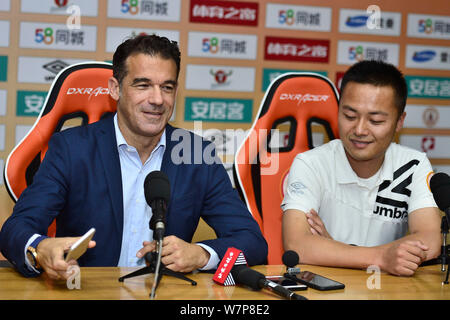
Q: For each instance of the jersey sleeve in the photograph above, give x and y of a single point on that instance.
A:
(421, 196)
(302, 191)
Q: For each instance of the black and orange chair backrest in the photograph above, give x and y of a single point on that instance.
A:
(78, 91)
(295, 101)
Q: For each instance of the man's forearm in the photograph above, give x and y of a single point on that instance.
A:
(317, 250)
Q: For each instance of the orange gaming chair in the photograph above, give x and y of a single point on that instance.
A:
(78, 91)
(295, 100)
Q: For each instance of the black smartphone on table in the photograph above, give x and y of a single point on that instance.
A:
(316, 281)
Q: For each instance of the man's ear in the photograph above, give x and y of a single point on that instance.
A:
(114, 88)
(400, 121)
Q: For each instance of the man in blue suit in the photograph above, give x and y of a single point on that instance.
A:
(93, 176)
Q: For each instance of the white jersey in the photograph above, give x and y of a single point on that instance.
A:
(364, 212)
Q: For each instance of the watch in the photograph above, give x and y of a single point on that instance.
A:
(32, 253)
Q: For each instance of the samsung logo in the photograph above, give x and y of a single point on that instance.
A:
(357, 21)
(423, 56)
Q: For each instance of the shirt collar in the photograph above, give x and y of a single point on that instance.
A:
(345, 173)
(121, 140)
(387, 169)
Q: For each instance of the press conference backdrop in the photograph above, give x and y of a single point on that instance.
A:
(231, 51)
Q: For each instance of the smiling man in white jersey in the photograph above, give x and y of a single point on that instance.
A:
(351, 202)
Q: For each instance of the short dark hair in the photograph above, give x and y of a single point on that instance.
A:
(152, 45)
(379, 74)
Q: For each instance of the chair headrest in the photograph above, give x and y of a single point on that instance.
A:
(298, 95)
(80, 90)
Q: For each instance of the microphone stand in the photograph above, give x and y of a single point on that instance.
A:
(155, 266)
(445, 259)
(157, 277)
(157, 194)
(151, 268)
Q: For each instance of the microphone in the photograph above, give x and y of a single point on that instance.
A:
(157, 195)
(290, 259)
(440, 187)
(257, 281)
(232, 260)
(233, 270)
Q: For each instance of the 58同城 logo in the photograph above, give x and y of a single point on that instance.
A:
(436, 25)
(286, 17)
(150, 7)
(225, 45)
(130, 6)
(290, 17)
(426, 26)
(48, 36)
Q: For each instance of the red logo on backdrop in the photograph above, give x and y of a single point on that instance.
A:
(61, 3)
(296, 49)
(221, 76)
(224, 12)
(339, 76)
(428, 143)
(430, 117)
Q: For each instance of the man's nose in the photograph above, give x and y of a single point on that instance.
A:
(361, 127)
(156, 96)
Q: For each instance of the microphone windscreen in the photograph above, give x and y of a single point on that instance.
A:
(440, 187)
(290, 258)
(156, 186)
(248, 277)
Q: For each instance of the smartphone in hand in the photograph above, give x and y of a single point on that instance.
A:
(79, 248)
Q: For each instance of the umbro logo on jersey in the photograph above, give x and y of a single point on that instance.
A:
(393, 192)
(391, 213)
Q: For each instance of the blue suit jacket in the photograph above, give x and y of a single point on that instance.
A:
(79, 183)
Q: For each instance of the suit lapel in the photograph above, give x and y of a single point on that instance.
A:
(169, 168)
(167, 165)
(109, 155)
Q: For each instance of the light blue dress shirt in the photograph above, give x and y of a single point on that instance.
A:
(137, 212)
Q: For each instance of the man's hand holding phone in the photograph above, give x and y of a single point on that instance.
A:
(50, 254)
